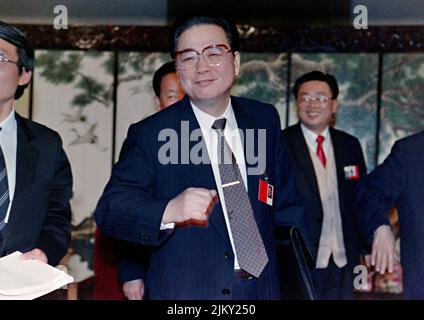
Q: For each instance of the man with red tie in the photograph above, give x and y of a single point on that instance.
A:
(323, 159)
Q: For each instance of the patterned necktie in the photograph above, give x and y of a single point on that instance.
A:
(320, 150)
(250, 249)
(4, 190)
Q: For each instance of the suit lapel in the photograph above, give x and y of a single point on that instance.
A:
(301, 154)
(201, 175)
(244, 122)
(340, 160)
(26, 161)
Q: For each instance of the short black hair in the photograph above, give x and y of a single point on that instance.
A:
(185, 23)
(165, 69)
(317, 76)
(24, 49)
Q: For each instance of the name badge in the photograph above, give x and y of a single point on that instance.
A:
(266, 192)
(351, 172)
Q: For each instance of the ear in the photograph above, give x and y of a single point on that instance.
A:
(25, 77)
(334, 105)
(236, 63)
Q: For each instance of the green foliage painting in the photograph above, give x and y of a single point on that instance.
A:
(402, 98)
(60, 67)
(263, 76)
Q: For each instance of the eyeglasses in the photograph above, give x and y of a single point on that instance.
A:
(319, 99)
(214, 56)
(4, 59)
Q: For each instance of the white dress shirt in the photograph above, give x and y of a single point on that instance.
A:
(311, 139)
(331, 241)
(8, 143)
(232, 136)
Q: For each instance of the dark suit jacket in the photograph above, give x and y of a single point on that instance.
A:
(40, 216)
(192, 262)
(399, 181)
(347, 151)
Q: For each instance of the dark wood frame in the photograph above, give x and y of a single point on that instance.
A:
(253, 38)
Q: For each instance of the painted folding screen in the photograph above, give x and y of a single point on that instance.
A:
(73, 94)
(402, 106)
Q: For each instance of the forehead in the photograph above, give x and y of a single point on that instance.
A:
(8, 49)
(200, 36)
(170, 79)
(314, 86)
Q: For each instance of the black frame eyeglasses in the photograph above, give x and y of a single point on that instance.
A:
(214, 55)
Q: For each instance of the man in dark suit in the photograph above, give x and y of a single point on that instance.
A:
(399, 182)
(117, 262)
(131, 273)
(163, 190)
(35, 178)
(327, 164)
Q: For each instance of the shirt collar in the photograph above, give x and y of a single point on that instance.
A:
(206, 120)
(8, 124)
(311, 136)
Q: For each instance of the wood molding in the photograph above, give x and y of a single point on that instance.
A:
(253, 38)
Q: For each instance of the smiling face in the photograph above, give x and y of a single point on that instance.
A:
(208, 86)
(315, 115)
(10, 78)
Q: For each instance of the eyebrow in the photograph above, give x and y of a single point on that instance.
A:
(308, 93)
(209, 45)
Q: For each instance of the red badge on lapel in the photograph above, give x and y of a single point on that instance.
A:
(351, 172)
(266, 192)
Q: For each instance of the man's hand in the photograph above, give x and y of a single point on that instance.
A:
(192, 206)
(367, 260)
(36, 254)
(383, 249)
(134, 289)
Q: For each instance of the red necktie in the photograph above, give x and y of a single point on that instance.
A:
(320, 150)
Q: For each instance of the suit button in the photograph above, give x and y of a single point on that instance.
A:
(319, 220)
(227, 255)
(226, 292)
(316, 244)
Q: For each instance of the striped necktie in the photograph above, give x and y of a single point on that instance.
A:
(4, 190)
